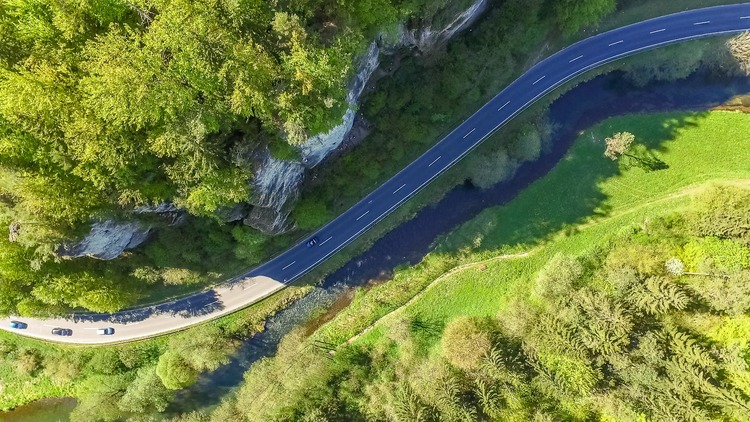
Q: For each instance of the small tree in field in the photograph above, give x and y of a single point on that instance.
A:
(618, 144)
(622, 144)
(739, 47)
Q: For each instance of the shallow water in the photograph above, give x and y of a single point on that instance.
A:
(580, 108)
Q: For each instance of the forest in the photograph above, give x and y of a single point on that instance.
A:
(106, 106)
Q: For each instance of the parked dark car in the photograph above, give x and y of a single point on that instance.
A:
(62, 331)
(312, 242)
(18, 325)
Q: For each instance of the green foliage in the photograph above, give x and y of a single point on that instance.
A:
(106, 105)
(607, 332)
(721, 254)
(465, 343)
(573, 15)
(670, 63)
(250, 243)
(174, 371)
(724, 213)
(311, 214)
(145, 393)
(587, 350)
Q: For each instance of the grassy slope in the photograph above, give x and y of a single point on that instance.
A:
(585, 190)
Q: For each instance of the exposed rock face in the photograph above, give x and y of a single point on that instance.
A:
(107, 240)
(13, 231)
(232, 214)
(276, 186)
(167, 210)
(427, 38)
(319, 146)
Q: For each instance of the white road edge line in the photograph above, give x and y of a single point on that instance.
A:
(537, 81)
(546, 91)
(434, 161)
(617, 42)
(503, 106)
(324, 242)
(657, 31)
(702, 23)
(470, 132)
(289, 265)
(366, 212)
(579, 57)
(402, 186)
(558, 83)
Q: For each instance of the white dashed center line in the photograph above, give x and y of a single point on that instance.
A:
(323, 242)
(470, 132)
(537, 81)
(402, 186)
(434, 161)
(702, 23)
(292, 263)
(579, 57)
(617, 42)
(657, 31)
(366, 212)
(503, 106)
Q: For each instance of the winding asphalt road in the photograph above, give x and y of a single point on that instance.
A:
(297, 261)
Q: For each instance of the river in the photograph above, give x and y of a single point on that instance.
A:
(578, 109)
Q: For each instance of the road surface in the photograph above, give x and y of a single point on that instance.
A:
(300, 259)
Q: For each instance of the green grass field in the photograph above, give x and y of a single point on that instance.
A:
(581, 203)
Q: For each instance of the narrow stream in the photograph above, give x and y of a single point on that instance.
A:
(580, 108)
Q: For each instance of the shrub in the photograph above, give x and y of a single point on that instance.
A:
(178, 276)
(465, 343)
(723, 212)
(27, 361)
(174, 372)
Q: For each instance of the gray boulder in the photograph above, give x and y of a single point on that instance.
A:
(107, 240)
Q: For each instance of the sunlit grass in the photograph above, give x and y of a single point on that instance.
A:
(584, 201)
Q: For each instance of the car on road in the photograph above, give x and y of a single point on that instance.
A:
(18, 325)
(62, 331)
(105, 331)
(312, 242)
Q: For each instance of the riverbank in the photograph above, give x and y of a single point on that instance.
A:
(589, 200)
(582, 187)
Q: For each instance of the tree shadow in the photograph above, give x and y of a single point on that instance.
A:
(196, 305)
(572, 193)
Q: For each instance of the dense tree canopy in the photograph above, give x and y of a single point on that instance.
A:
(115, 103)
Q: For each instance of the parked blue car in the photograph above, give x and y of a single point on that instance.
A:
(18, 325)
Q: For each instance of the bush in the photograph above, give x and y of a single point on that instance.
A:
(179, 276)
(175, 372)
(485, 170)
(723, 212)
(558, 277)
(466, 341)
(311, 213)
(27, 361)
